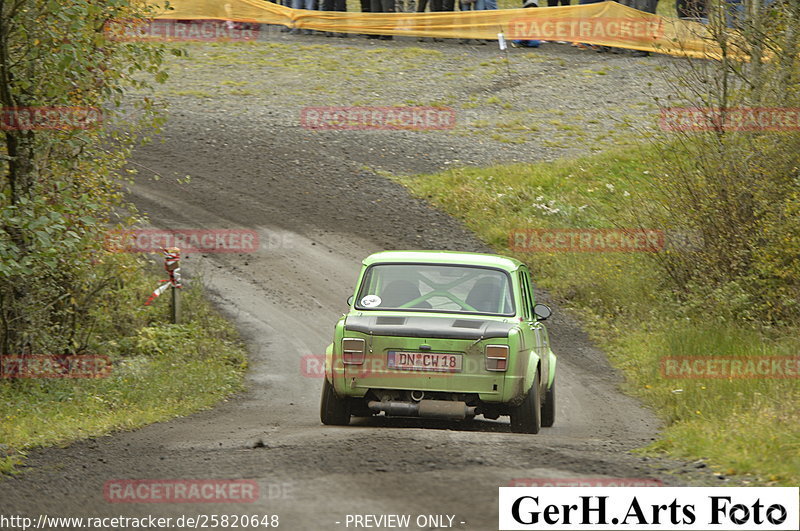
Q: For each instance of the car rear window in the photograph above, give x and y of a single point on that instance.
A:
(439, 288)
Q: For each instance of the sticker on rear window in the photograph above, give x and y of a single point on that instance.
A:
(371, 300)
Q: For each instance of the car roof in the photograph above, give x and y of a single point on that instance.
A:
(444, 257)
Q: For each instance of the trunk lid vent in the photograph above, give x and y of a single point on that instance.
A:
(465, 323)
(390, 321)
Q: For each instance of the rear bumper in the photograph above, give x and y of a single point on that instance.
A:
(493, 388)
(489, 388)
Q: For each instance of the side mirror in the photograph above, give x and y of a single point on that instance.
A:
(350, 300)
(542, 312)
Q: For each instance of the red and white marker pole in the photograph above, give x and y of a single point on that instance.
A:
(172, 265)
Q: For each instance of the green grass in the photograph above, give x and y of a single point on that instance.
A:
(159, 371)
(742, 426)
(585, 192)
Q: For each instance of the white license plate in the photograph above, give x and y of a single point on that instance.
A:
(424, 361)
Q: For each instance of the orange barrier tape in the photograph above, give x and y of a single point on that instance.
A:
(606, 24)
(172, 261)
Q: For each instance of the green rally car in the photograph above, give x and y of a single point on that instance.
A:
(442, 334)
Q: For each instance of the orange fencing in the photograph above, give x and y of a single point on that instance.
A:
(606, 24)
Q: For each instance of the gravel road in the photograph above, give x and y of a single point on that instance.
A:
(321, 202)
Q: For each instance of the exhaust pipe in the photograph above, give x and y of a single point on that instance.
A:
(395, 409)
(445, 409)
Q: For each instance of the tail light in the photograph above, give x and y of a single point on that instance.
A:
(353, 351)
(496, 357)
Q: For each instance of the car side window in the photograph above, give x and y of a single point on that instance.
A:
(526, 303)
(529, 284)
(528, 292)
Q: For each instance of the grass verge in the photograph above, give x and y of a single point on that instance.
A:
(742, 426)
(160, 371)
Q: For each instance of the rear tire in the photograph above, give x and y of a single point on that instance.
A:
(527, 417)
(333, 410)
(549, 406)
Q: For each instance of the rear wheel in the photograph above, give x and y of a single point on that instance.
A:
(527, 417)
(333, 410)
(549, 406)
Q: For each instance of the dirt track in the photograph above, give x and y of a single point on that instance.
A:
(311, 196)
